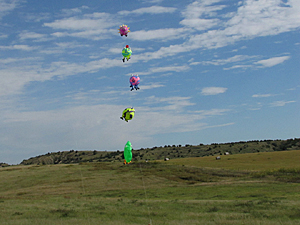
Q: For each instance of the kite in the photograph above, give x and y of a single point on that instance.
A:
(126, 52)
(127, 153)
(128, 114)
(124, 30)
(134, 82)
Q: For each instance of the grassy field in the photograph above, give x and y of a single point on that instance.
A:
(249, 161)
(256, 188)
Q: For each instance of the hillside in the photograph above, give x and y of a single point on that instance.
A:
(167, 151)
(253, 188)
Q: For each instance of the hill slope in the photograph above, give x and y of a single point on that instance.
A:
(167, 151)
(180, 191)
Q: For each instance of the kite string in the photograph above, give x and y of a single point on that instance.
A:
(121, 5)
(76, 146)
(146, 197)
(82, 181)
(83, 190)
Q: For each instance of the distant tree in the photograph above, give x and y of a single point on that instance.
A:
(4, 164)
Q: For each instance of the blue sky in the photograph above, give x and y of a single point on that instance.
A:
(211, 71)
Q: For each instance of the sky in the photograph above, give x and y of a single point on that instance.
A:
(212, 71)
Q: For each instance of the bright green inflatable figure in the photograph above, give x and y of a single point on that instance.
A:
(128, 114)
(127, 153)
(126, 52)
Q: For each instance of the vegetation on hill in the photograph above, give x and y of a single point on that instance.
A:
(3, 164)
(167, 151)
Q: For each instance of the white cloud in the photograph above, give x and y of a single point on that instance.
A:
(89, 22)
(96, 34)
(152, 1)
(213, 112)
(92, 26)
(151, 86)
(200, 24)
(236, 58)
(37, 17)
(169, 103)
(31, 35)
(15, 77)
(72, 11)
(151, 10)
(163, 34)
(18, 60)
(164, 69)
(280, 103)
(18, 47)
(3, 35)
(262, 95)
(294, 88)
(262, 18)
(238, 67)
(272, 61)
(169, 68)
(213, 90)
(164, 52)
(74, 44)
(252, 19)
(8, 5)
(196, 10)
(200, 8)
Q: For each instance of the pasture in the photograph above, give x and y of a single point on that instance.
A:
(256, 188)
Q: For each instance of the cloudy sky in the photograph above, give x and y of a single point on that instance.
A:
(212, 71)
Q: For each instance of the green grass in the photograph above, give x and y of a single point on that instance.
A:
(257, 188)
(248, 161)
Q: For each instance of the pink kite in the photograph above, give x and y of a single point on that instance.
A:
(124, 30)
